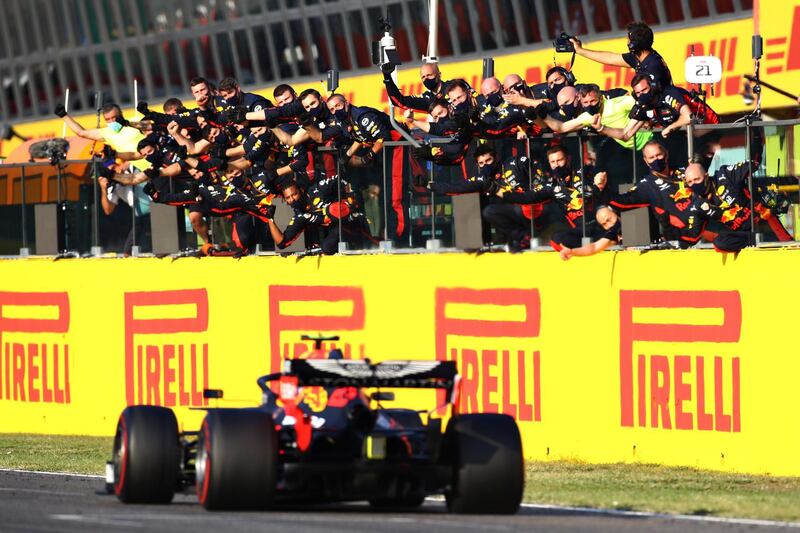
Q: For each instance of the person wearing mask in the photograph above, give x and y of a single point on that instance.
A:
(640, 56)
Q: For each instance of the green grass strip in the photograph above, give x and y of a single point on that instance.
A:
(634, 487)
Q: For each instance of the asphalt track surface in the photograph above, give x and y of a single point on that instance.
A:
(61, 503)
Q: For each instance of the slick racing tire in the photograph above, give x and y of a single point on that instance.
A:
(485, 451)
(146, 455)
(237, 455)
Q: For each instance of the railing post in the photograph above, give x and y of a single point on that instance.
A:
(25, 250)
(433, 243)
(385, 244)
(96, 249)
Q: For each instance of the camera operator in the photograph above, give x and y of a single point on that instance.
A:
(641, 56)
(112, 193)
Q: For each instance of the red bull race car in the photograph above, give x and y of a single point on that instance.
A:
(318, 436)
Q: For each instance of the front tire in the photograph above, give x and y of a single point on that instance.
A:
(146, 455)
(237, 455)
(488, 467)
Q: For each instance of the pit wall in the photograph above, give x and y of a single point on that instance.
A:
(680, 358)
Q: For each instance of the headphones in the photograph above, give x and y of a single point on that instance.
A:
(570, 77)
(655, 86)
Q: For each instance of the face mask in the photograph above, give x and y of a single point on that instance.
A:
(699, 188)
(463, 107)
(494, 99)
(152, 158)
(569, 110)
(658, 165)
(555, 89)
(431, 84)
(116, 127)
(230, 102)
(592, 109)
(645, 98)
(341, 115)
(562, 172)
(317, 112)
(490, 169)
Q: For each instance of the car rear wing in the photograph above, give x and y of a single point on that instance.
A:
(362, 373)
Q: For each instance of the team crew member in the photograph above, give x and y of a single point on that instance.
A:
(609, 116)
(369, 129)
(670, 108)
(231, 95)
(725, 198)
(510, 175)
(118, 134)
(431, 79)
(259, 152)
(664, 192)
(569, 192)
(641, 56)
(611, 223)
(324, 206)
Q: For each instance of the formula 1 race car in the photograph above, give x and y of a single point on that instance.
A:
(322, 438)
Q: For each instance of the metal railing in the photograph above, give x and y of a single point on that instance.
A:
(430, 218)
(48, 46)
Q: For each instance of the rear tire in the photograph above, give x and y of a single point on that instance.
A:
(237, 455)
(488, 468)
(146, 455)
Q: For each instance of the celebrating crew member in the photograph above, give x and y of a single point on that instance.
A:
(725, 198)
(610, 221)
(641, 56)
(574, 197)
(664, 192)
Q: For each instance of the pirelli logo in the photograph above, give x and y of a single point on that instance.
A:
(668, 378)
(492, 335)
(35, 357)
(163, 366)
(295, 310)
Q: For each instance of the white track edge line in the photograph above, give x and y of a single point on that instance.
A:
(69, 474)
(645, 514)
(682, 517)
(582, 510)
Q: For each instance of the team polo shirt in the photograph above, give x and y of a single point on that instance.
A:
(615, 115)
(126, 140)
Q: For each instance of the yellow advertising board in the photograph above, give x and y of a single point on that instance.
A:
(671, 357)
(729, 41)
